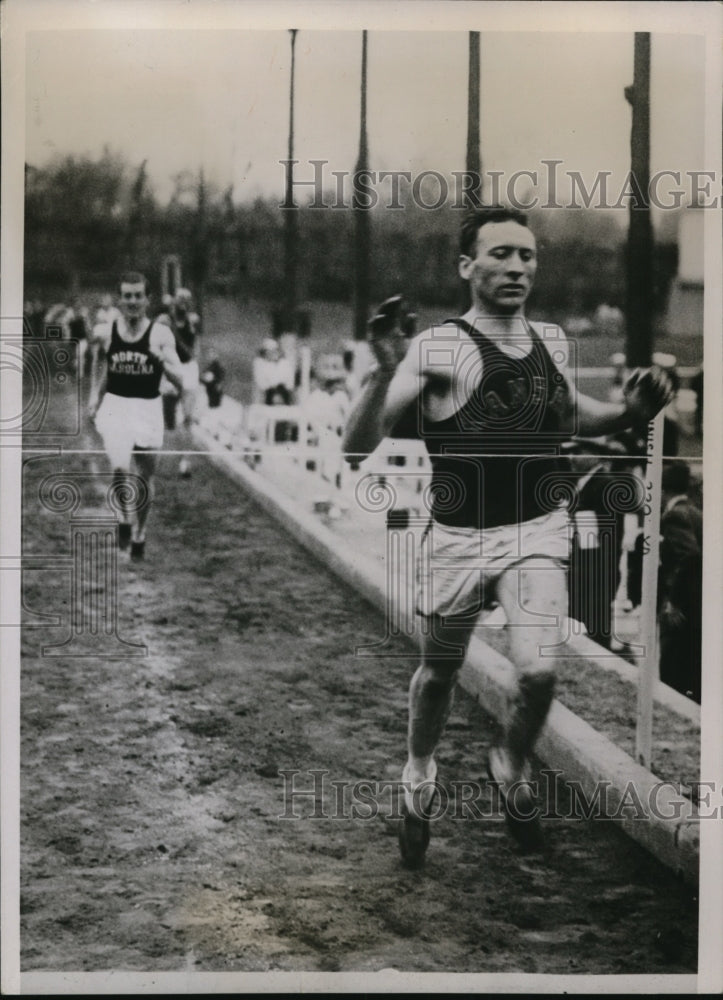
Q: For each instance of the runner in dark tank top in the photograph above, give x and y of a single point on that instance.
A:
(517, 411)
(493, 405)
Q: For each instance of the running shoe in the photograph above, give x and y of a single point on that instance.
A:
(414, 828)
(124, 536)
(138, 551)
(519, 802)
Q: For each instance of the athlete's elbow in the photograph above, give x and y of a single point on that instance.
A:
(356, 447)
(355, 459)
(353, 451)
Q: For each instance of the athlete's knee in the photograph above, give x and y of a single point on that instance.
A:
(442, 667)
(437, 676)
(444, 645)
(537, 582)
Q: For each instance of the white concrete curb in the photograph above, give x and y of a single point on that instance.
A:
(669, 830)
(665, 695)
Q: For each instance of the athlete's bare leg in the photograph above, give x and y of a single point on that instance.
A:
(124, 491)
(533, 595)
(431, 691)
(146, 462)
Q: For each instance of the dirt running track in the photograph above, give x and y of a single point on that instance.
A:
(151, 798)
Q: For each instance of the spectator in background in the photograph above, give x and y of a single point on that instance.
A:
(185, 323)
(165, 308)
(289, 367)
(633, 444)
(598, 533)
(325, 410)
(270, 370)
(696, 384)
(79, 330)
(609, 320)
(336, 387)
(327, 405)
(212, 380)
(357, 359)
(59, 315)
(277, 395)
(38, 317)
(34, 313)
(107, 312)
(615, 393)
(284, 430)
(635, 571)
(286, 370)
(680, 583)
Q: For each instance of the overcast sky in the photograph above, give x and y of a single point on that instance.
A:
(219, 99)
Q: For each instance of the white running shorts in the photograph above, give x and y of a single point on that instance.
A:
(457, 568)
(126, 423)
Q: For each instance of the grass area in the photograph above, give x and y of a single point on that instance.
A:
(235, 331)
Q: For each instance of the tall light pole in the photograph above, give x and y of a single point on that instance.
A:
(361, 215)
(474, 160)
(291, 215)
(638, 349)
(200, 252)
(639, 261)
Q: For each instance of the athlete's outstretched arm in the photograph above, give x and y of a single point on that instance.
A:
(645, 394)
(98, 344)
(388, 391)
(97, 392)
(163, 346)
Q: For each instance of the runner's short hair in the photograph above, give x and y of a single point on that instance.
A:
(478, 217)
(133, 278)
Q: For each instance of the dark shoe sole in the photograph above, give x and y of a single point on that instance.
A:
(138, 551)
(414, 835)
(521, 815)
(124, 537)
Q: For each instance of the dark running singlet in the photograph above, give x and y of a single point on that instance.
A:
(132, 370)
(486, 469)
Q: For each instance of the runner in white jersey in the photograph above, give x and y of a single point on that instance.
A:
(133, 354)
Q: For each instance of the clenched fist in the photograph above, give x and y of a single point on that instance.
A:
(646, 393)
(389, 332)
